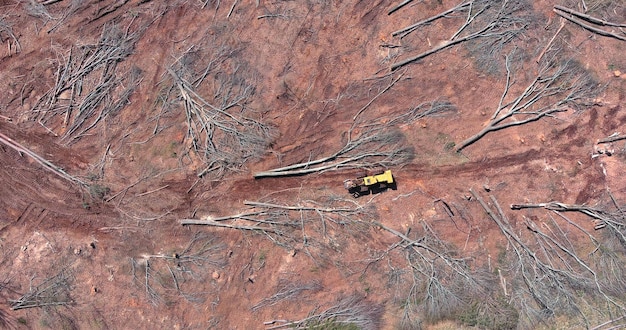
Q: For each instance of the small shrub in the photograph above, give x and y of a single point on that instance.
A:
(98, 191)
(497, 315)
(332, 325)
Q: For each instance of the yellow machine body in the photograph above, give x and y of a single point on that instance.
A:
(385, 177)
(370, 184)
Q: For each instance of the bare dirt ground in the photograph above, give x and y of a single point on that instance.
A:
(122, 119)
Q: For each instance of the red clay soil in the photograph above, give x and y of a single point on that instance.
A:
(114, 246)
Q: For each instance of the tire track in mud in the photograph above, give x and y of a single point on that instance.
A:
(478, 166)
(470, 171)
(412, 170)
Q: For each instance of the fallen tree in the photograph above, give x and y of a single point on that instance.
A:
(369, 144)
(590, 23)
(87, 86)
(222, 128)
(547, 269)
(499, 21)
(53, 291)
(437, 284)
(46, 164)
(350, 311)
(164, 276)
(288, 290)
(557, 87)
(371, 148)
(312, 225)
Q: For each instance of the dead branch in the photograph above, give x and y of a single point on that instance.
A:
(123, 192)
(610, 322)
(426, 109)
(615, 222)
(38, 10)
(549, 44)
(151, 293)
(202, 250)
(535, 274)
(145, 217)
(377, 95)
(287, 290)
(371, 143)
(283, 15)
(152, 191)
(5, 321)
(101, 95)
(554, 245)
(73, 7)
(271, 214)
(6, 28)
(206, 2)
(145, 176)
(232, 8)
(440, 47)
(559, 245)
(577, 226)
(298, 207)
(355, 154)
(442, 284)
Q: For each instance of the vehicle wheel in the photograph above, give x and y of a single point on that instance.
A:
(356, 194)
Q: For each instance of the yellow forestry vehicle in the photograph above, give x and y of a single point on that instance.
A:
(374, 183)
